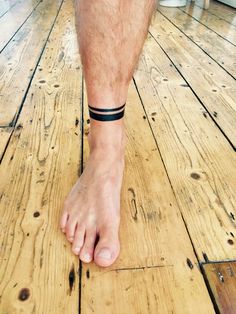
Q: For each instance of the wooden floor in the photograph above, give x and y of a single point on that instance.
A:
(178, 224)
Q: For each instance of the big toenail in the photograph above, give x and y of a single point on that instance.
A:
(104, 253)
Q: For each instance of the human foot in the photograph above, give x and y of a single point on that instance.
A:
(92, 208)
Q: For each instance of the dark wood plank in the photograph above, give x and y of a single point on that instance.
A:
(221, 278)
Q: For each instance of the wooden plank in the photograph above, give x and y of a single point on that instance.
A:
(221, 278)
(38, 270)
(222, 11)
(216, 24)
(14, 18)
(5, 6)
(20, 57)
(5, 134)
(154, 270)
(214, 87)
(200, 163)
(214, 45)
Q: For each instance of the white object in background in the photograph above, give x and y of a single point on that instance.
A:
(232, 3)
(173, 3)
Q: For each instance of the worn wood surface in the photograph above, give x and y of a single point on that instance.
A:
(156, 252)
(213, 22)
(39, 273)
(5, 134)
(220, 50)
(222, 11)
(213, 86)
(13, 19)
(202, 169)
(19, 59)
(221, 278)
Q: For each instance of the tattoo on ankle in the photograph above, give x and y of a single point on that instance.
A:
(102, 114)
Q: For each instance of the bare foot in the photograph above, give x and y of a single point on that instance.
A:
(91, 211)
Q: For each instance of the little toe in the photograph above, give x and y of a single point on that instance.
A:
(70, 228)
(78, 239)
(107, 249)
(86, 254)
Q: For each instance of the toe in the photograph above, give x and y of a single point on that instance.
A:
(108, 247)
(70, 228)
(63, 221)
(78, 239)
(86, 254)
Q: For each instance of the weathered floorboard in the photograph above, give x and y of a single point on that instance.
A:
(199, 161)
(14, 18)
(5, 134)
(222, 11)
(19, 59)
(215, 88)
(218, 25)
(38, 271)
(221, 278)
(215, 46)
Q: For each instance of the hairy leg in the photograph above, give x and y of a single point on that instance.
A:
(111, 35)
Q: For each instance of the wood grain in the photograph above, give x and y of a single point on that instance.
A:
(19, 59)
(213, 86)
(200, 163)
(39, 273)
(221, 278)
(5, 134)
(214, 45)
(156, 253)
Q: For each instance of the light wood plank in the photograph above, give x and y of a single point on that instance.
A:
(20, 57)
(5, 134)
(221, 27)
(200, 163)
(222, 11)
(38, 170)
(5, 6)
(14, 18)
(153, 237)
(222, 281)
(215, 88)
(214, 45)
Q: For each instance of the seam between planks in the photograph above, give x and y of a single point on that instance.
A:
(205, 107)
(209, 12)
(208, 27)
(196, 43)
(40, 1)
(16, 117)
(195, 253)
(8, 9)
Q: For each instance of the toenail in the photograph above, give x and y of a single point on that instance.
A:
(76, 250)
(87, 258)
(104, 253)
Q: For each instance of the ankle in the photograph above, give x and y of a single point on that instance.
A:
(107, 137)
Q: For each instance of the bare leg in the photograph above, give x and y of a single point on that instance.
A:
(111, 35)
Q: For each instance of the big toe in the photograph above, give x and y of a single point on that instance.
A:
(107, 249)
